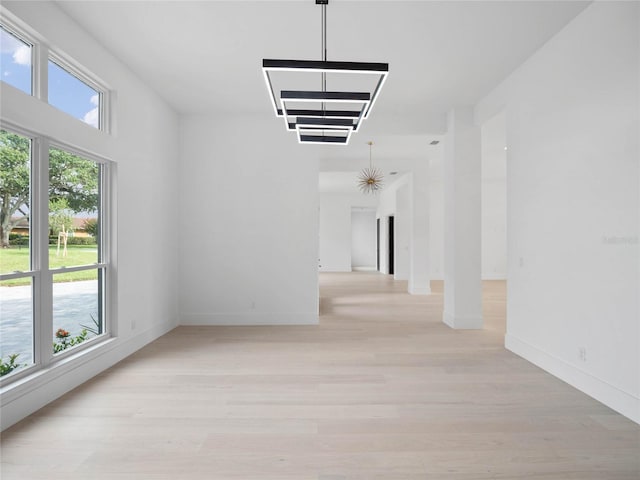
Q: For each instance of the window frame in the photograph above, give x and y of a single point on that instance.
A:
(19, 33)
(43, 135)
(41, 54)
(33, 272)
(40, 271)
(103, 246)
(72, 68)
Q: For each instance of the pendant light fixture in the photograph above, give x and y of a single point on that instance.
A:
(370, 179)
(324, 116)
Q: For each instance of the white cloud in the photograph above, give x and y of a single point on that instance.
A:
(95, 100)
(92, 117)
(22, 55)
(8, 43)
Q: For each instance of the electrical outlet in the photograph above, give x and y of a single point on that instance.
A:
(582, 354)
(521, 262)
(133, 324)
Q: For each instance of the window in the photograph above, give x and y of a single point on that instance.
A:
(64, 84)
(15, 61)
(74, 96)
(54, 266)
(16, 272)
(75, 248)
(54, 211)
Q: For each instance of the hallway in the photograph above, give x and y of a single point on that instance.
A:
(380, 389)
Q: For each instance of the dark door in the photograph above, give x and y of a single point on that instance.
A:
(391, 238)
(378, 244)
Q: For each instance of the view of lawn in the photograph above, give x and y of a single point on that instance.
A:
(17, 259)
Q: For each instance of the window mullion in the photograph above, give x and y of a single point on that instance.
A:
(41, 72)
(43, 292)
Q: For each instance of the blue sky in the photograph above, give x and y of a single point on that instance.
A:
(66, 92)
(71, 95)
(15, 62)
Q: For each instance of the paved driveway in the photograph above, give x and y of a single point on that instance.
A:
(74, 303)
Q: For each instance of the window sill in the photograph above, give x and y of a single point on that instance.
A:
(57, 369)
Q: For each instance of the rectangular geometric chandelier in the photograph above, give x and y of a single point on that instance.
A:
(322, 116)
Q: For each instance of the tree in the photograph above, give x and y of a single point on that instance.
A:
(72, 178)
(14, 182)
(75, 179)
(60, 216)
(91, 227)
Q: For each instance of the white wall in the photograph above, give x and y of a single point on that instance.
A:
(402, 229)
(494, 213)
(494, 198)
(249, 221)
(436, 220)
(363, 238)
(335, 228)
(335, 234)
(145, 150)
(572, 116)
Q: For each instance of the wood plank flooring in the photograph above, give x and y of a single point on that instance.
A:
(381, 389)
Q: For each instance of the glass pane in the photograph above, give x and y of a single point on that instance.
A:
(15, 61)
(16, 325)
(15, 163)
(71, 95)
(77, 308)
(74, 210)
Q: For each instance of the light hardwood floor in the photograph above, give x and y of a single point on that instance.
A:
(381, 389)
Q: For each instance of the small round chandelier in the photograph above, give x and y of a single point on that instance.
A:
(370, 179)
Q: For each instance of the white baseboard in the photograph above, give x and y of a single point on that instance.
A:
(494, 276)
(462, 322)
(423, 290)
(363, 269)
(32, 393)
(335, 268)
(614, 398)
(248, 319)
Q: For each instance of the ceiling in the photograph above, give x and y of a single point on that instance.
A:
(206, 56)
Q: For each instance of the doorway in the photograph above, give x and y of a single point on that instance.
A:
(378, 244)
(363, 237)
(390, 243)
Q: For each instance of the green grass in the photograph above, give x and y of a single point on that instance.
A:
(17, 259)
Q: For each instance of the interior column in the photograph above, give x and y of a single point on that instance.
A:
(419, 269)
(462, 252)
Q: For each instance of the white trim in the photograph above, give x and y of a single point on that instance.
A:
(462, 322)
(363, 269)
(42, 53)
(10, 26)
(248, 319)
(494, 276)
(31, 393)
(17, 274)
(42, 282)
(79, 268)
(619, 400)
(75, 69)
(77, 151)
(423, 290)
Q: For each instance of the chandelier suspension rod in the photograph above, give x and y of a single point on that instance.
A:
(324, 48)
